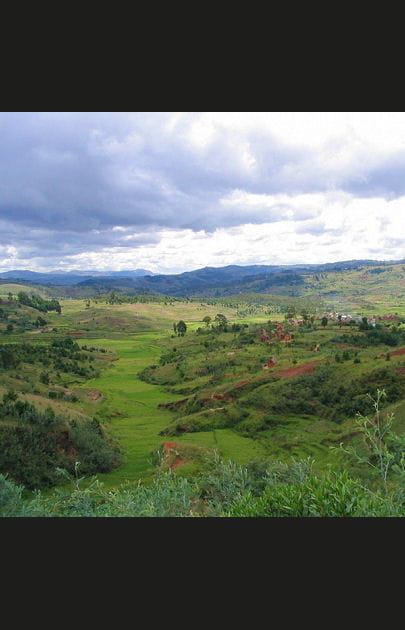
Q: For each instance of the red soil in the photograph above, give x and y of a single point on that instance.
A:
(178, 461)
(169, 445)
(242, 383)
(221, 396)
(395, 352)
(307, 368)
(94, 394)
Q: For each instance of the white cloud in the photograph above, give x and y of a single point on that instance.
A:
(176, 191)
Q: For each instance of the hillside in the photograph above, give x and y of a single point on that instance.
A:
(232, 406)
(67, 278)
(256, 377)
(356, 282)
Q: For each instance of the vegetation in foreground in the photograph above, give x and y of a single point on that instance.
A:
(263, 488)
(265, 397)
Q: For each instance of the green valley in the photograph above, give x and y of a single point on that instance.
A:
(111, 385)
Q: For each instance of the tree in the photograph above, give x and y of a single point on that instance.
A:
(364, 324)
(23, 298)
(270, 326)
(324, 321)
(207, 320)
(290, 312)
(304, 314)
(44, 378)
(221, 321)
(181, 328)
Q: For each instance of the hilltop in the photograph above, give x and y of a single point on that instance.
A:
(358, 284)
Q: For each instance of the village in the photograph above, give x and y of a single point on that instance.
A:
(282, 335)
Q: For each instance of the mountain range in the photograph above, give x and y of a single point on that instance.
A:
(68, 278)
(208, 281)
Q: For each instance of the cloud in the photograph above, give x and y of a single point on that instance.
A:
(136, 186)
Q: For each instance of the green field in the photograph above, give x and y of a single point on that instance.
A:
(131, 407)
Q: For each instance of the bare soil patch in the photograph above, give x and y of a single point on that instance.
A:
(396, 352)
(170, 451)
(306, 368)
(94, 394)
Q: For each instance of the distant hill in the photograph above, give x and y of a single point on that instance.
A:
(224, 281)
(68, 278)
(357, 277)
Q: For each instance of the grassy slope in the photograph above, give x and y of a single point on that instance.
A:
(7, 288)
(130, 408)
(131, 411)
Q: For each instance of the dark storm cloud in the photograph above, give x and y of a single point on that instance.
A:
(66, 179)
(53, 243)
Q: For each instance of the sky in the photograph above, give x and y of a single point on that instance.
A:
(172, 192)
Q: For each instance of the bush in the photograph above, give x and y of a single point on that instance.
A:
(96, 452)
(34, 443)
(337, 495)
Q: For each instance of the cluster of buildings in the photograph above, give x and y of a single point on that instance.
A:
(279, 334)
(285, 336)
(336, 315)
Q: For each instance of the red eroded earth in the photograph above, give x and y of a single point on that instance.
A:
(306, 368)
(395, 352)
(168, 447)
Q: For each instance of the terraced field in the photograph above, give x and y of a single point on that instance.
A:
(132, 415)
(221, 386)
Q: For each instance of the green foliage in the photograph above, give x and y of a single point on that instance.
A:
(336, 495)
(384, 449)
(322, 394)
(181, 328)
(63, 355)
(220, 322)
(96, 451)
(222, 488)
(35, 301)
(34, 443)
(44, 378)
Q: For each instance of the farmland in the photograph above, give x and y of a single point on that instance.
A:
(252, 379)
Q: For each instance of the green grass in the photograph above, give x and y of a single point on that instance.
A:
(5, 289)
(129, 409)
(131, 414)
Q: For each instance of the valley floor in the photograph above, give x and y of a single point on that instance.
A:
(131, 414)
